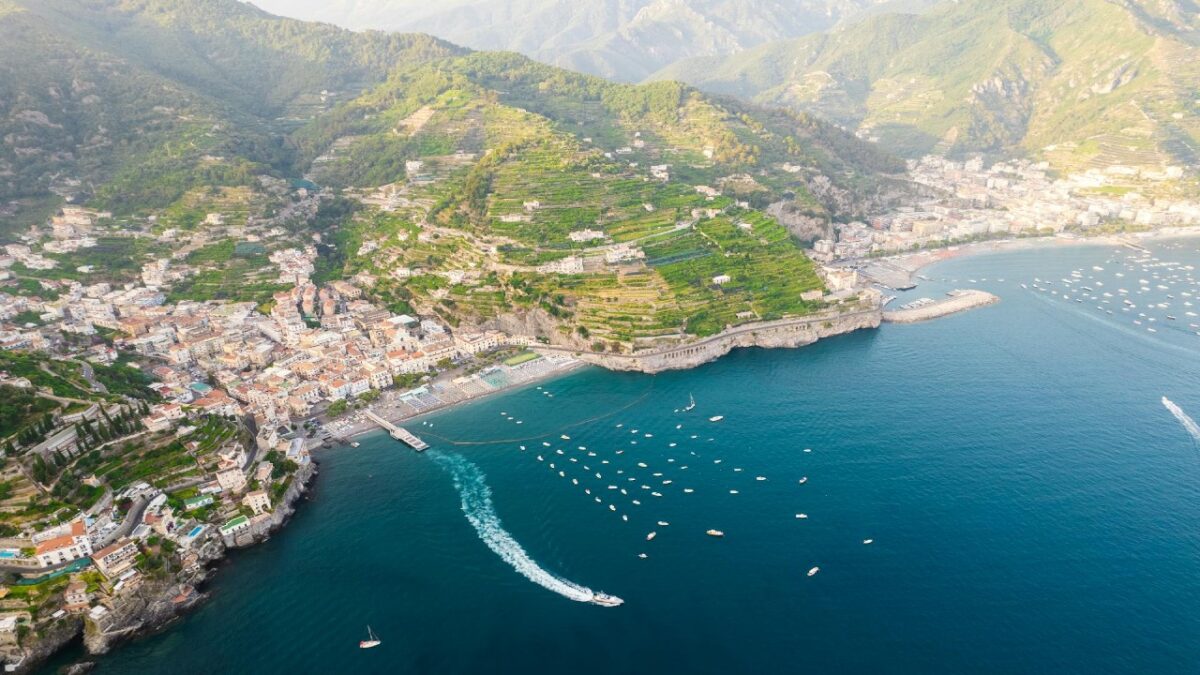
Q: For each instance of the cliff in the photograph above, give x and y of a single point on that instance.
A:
(795, 332)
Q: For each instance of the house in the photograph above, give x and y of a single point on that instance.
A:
(76, 598)
(113, 560)
(263, 473)
(197, 502)
(235, 526)
(232, 480)
(258, 501)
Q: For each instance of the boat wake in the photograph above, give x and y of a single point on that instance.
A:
(477, 505)
(1188, 423)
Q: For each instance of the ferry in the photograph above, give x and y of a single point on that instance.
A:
(813, 571)
(716, 418)
(715, 533)
(371, 641)
(606, 600)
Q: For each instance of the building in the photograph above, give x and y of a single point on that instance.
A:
(258, 501)
(76, 598)
(234, 526)
(65, 543)
(232, 480)
(113, 560)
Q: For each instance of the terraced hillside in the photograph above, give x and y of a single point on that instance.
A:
(502, 190)
(483, 187)
(1083, 83)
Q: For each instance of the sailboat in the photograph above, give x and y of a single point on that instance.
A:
(371, 641)
(691, 404)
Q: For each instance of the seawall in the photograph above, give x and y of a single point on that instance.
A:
(795, 332)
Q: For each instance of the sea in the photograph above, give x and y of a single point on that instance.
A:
(1031, 505)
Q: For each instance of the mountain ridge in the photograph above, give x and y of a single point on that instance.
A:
(1082, 83)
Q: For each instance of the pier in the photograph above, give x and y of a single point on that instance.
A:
(399, 433)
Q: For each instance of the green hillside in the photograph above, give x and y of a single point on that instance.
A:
(494, 161)
(135, 102)
(483, 187)
(1083, 83)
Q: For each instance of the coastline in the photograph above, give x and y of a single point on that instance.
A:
(362, 427)
(913, 263)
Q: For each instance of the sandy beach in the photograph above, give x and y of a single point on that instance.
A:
(446, 392)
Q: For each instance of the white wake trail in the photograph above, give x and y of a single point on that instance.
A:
(477, 505)
(1187, 422)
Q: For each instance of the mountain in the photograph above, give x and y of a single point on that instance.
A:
(621, 39)
(482, 187)
(136, 102)
(1082, 83)
(139, 100)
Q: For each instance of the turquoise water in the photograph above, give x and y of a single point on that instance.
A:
(1033, 508)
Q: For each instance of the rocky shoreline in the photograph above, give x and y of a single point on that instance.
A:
(783, 333)
(158, 602)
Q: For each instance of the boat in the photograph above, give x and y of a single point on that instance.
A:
(355, 444)
(715, 533)
(716, 418)
(606, 600)
(691, 404)
(371, 641)
(868, 541)
(651, 536)
(643, 556)
(804, 480)
(813, 571)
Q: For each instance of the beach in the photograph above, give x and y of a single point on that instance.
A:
(446, 392)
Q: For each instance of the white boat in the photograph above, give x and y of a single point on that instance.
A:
(354, 444)
(606, 600)
(651, 536)
(716, 418)
(663, 523)
(371, 641)
(814, 571)
(803, 480)
(715, 533)
(868, 541)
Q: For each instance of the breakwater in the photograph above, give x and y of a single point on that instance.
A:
(957, 301)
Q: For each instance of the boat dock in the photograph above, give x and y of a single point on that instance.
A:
(399, 433)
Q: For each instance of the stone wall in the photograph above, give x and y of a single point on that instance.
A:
(770, 334)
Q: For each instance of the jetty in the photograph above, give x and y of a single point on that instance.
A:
(925, 309)
(399, 433)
